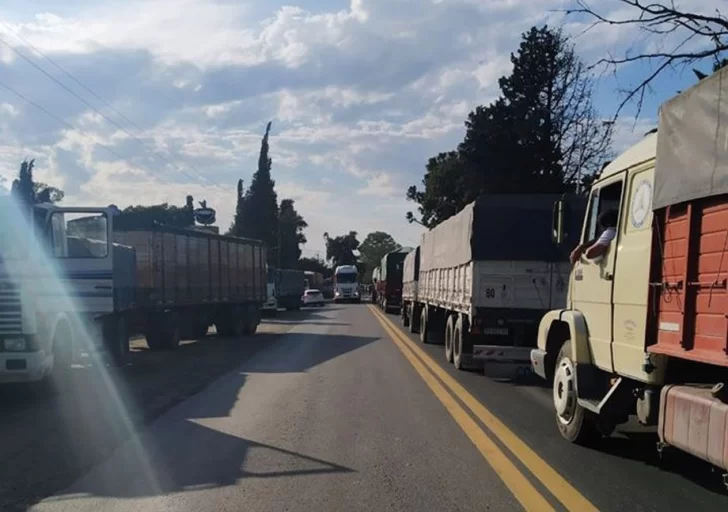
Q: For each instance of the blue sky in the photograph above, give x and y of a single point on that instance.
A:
(361, 93)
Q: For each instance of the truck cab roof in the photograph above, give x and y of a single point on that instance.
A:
(644, 150)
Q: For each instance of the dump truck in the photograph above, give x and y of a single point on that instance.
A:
(644, 332)
(289, 287)
(486, 277)
(410, 282)
(389, 284)
(72, 289)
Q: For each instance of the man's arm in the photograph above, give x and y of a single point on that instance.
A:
(579, 250)
(599, 247)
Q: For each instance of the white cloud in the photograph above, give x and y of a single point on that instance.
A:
(360, 95)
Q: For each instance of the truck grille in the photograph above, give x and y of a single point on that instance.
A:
(11, 317)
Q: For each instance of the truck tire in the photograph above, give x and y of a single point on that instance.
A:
(449, 334)
(58, 379)
(252, 319)
(116, 339)
(172, 333)
(424, 334)
(414, 320)
(576, 424)
(460, 343)
(163, 332)
(403, 314)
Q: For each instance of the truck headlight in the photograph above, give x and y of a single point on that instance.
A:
(355, 294)
(15, 344)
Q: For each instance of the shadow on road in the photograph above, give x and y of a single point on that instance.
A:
(47, 441)
(158, 463)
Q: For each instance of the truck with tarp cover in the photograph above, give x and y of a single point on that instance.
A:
(410, 282)
(486, 277)
(389, 282)
(645, 330)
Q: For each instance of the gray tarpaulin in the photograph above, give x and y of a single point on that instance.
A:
(692, 144)
(501, 227)
(411, 271)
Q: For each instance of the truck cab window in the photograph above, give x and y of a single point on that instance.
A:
(79, 235)
(602, 199)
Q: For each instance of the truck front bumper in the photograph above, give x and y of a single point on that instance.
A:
(24, 366)
(538, 362)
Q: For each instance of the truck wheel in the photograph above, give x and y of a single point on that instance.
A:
(576, 424)
(171, 331)
(59, 377)
(449, 335)
(424, 335)
(153, 335)
(117, 341)
(405, 317)
(413, 320)
(460, 343)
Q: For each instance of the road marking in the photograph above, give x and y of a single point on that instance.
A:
(523, 490)
(567, 494)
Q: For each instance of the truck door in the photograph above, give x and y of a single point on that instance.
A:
(593, 282)
(80, 243)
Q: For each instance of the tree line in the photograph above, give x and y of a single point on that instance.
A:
(258, 215)
(543, 133)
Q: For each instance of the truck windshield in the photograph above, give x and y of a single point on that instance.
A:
(346, 278)
(16, 240)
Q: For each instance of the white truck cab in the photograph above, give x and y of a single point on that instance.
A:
(346, 284)
(56, 269)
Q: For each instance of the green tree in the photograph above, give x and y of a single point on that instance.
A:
(340, 250)
(291, 237)
(29, 192)
(314, 265)
(542, 135)
(447, 189)
(374, 246)
(236, 226)
(258, 214)
(146, 217)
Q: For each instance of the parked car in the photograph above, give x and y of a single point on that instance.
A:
(312, 298)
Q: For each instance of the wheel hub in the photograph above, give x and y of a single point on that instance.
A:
(564, 390)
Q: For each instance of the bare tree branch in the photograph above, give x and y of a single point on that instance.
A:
(659, 19)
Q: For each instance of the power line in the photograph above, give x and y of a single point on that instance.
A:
(73, 128)
(88, 104)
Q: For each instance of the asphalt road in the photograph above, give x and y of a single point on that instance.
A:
(343, 412)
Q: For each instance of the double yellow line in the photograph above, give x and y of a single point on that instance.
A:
(446, 389)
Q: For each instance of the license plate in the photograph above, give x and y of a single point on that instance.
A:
(498, 331)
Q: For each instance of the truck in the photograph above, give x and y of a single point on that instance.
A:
(270, 306)
(313, 280)
(486, 277)
(346, 284)
(389, 284)
(376, 275)
(74, 290)
(410, 282)
(644, 330)
(289, 287)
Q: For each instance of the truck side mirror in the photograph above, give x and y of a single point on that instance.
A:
(558, 229)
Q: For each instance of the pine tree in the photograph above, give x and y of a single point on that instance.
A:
(257, 217)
